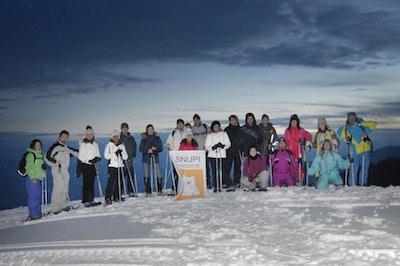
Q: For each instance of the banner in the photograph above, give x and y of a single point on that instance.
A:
(191, 169)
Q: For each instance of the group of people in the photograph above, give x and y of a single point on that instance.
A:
(253, 153)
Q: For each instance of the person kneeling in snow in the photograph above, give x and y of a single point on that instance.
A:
(328, 163)
(254, 170)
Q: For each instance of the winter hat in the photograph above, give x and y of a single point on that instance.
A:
(322, 120)
(89, 130)
(124, 125)
(115, 133)
(264, 116)
(282, 139)
(196, 116)
(189, 132)
(351, 114)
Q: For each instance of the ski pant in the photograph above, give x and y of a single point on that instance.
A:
(226, 179)
(326, 178)
(358, 169)
(235, 159)
(34, 191)
(129, 174)
(114, 186)
(262, 178)
(281, 179)
(89, 175)
(59, 195)
(157, 173)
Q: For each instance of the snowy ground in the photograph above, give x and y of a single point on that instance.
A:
(288, 226)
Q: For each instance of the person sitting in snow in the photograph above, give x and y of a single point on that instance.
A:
(328, 163)
(254, 171)
(283, 164)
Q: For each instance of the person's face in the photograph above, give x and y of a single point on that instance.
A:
(189, 137)
(64, 138)
(216, 128)
(150, 131)
(253, 152)
(282, 145)
(180, 126)
(265, 121)
(197, 121)
(250, 120)
(352, 119)
(37, 146)
(89, 136)
(125, 130)
(327, 146)
(293, 123)
(321, 126)
(115, 139)
(233, 121)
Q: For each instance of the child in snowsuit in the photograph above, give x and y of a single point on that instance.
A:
(328, 163)
(283, 164)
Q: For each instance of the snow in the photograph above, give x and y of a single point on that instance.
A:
(283, 226)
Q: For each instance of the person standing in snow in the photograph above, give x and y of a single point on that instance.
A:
(189, 143)
(217, 142)
(129, 164)
(295, 137)
(250, 135)
(233, 155)
(356, 132)
(254, 171)
(150, 147)
(200, 132)
(325, 132)
(174, 141)
(115, 153)
(35, 168)
(89, 156)
(58, 158)
(283, 164)
(267, 130)
(328, 163)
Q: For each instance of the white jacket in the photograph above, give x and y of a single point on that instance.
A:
(88, 151)
(109, 154)
(214, 138)
(174, 139)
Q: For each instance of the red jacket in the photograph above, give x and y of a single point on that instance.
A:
(293, 137)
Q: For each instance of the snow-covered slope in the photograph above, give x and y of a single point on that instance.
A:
(288, 226)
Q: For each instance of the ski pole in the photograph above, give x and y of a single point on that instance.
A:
(130, 179)
(96, 166)
(362, 169)
(166, 170)
(119, 180)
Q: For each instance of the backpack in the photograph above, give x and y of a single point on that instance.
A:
(22, 163)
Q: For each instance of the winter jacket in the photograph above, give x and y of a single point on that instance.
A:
(115, 160)
(266, 133)
(147, 142)
(254, 165)
(88, 150)
(293, 136)
(327, 134)
(214, 138)
(60, 152)
(130, 144)
(283, 162)
(234, 136)
(34, 164)
(328, 165)
(200, 134)
(250, 136)
(174, 139)
(356, 131)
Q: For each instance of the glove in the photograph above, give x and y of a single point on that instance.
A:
(253, 176)
(118, 152)
(308, 145)
(289, 161)
(351, 160)
(215, 147)
(43, 167)
(276, 160)
(220, 145)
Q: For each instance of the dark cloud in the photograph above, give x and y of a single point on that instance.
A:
(47, 42)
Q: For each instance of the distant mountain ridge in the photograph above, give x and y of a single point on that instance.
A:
(385, 153)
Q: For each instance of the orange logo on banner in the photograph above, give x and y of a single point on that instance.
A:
(192, 182)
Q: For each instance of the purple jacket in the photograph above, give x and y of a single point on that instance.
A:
(253, 165)
(280, 163)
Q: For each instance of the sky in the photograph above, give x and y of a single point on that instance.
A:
(68, 64)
